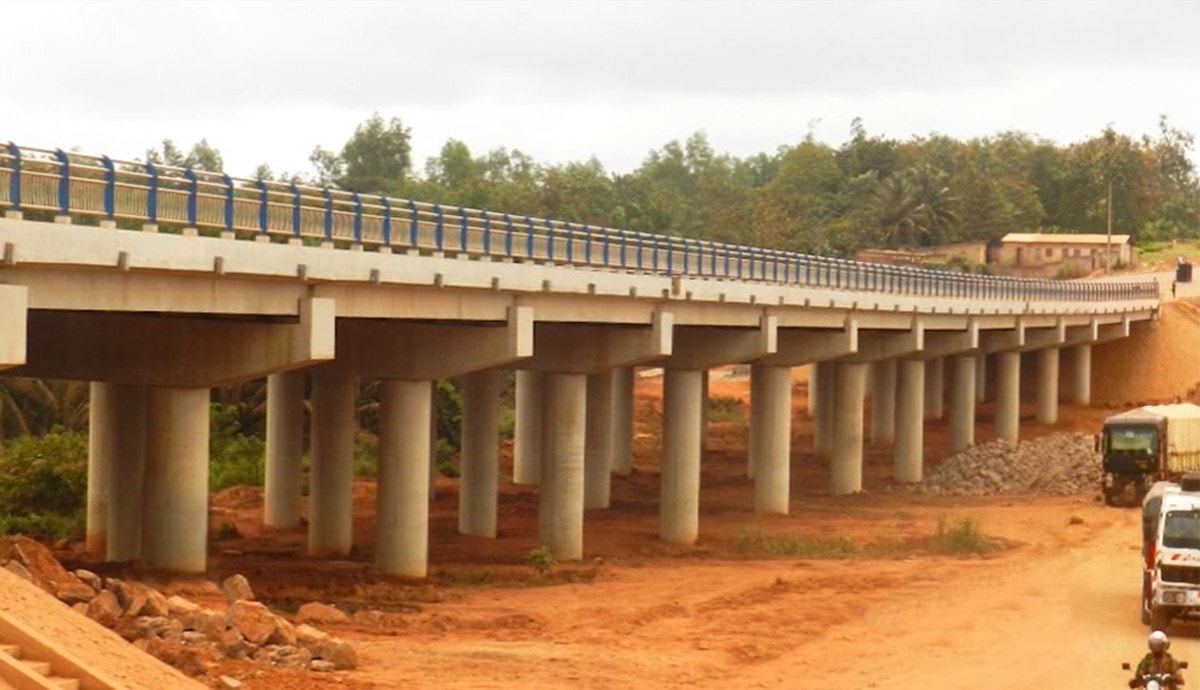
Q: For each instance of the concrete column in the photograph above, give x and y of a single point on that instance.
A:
(433, 439)
(962, 403)
(527, 429)
(757, 420)
(679, 510)
(981, 378)
(883, 401)
(116, 471)
(331, 480)
(102, 431)
(935, 386)
(704, 410)
(560, 511)
(480, 467)
(598, 443)
(175, 535)
(1008, 392)
(823, 423)
(910, 424)
(622, 421)
(772, 484)
(402, 496)
(812, 390)
(1081, 389)
(846, 469)
(285, 448)
(1047, 385)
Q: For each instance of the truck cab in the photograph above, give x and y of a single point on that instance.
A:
(1171, 546)
(1130, 446)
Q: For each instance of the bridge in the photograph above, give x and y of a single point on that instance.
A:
(157, 284)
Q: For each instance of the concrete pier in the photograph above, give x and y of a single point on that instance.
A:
(757, 421)
(527, 431)
(285, 448)
(1008, 391)
(598, 444)
(175, 531)
(480, 467)
(935, 387)
(846, 467)
(116, 470)
(981, 374)
(402, 495)
(622, 421)
(823, 422)
(773, 421)
(962, 403)
(1047, 385)
(1081, 381)
(679, 511)
(883, 401)
(330, 492)
(910, 426)
(560, 510)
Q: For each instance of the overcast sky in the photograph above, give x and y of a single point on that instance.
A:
(566, 80)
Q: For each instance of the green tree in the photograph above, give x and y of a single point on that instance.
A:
(375, 159)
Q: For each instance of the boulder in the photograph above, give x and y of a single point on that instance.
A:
(14, 566)
(237, 588)
(321, 614)
(75, 592)
(156, 604)
(253, 620)
(104, 609)
(307, 636)
(132, 595)
(90, 579)
(321, 666)
(285, 633)
(338, 651)
(234, 645)
(178, 606)
(229, 683)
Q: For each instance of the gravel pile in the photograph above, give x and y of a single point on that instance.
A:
(1057, 465)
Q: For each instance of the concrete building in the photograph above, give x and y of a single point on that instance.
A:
(1076, 252)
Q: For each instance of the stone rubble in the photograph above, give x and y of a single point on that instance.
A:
(182, 633)
(1062, 464)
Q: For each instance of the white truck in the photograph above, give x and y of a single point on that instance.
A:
(1147, 445)
(1171, 547)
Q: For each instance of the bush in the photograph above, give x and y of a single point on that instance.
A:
(234, 459)
(44, 474)
(725, 409)
(962, 537)
(541, 559)
(45, 526)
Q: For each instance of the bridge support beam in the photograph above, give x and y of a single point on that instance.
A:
(527, 429)
(883, 401)
(330, 495)
(935, 387)
(1047, 385)
(402, 498)
(846, 469)
(622, 422)
(1008, 392)
(599, 438)
(564, 423)
(1081, 381)
(285, 448)
(962, 403)
(679, 512)
(910, 426)
(176, 489)
(479, 481)
(772, 420)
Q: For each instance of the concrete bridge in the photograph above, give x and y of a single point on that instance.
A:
(158, 284)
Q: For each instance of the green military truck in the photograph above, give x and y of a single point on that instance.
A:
(1145, 445)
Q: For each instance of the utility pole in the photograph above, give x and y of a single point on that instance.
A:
(1108, 238)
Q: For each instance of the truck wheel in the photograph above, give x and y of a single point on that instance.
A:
(1160, 618)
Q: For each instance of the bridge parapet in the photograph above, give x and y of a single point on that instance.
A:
(89, 187)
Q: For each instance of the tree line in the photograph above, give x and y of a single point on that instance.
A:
(870, 192)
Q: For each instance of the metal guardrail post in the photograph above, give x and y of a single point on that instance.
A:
(570, 236)
(462, 229)
(110, 188)
(296, 232)
(487, 232)
(229, 188)
(549, 240)
(587, 245)
(328, 214)
(528, 237)
(439, 228)
(152, 195)
(263, 208)
(14, 180)
(64, 182)
(358, 212)
(193, 194)
(412, 225)
(386, 203)
(508, 236)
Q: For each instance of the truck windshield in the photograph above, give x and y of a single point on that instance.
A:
(1181, 530)
(1127, 439)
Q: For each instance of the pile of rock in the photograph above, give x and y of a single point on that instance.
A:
(182, 633)
(1059, 464)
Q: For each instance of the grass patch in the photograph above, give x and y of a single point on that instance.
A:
(754, 542)
(962, 537)
(723, 408)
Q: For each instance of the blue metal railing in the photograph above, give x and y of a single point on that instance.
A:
(75, 184)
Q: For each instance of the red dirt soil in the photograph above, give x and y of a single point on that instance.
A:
(1057, 606)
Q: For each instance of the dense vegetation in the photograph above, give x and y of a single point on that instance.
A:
(869, 192)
